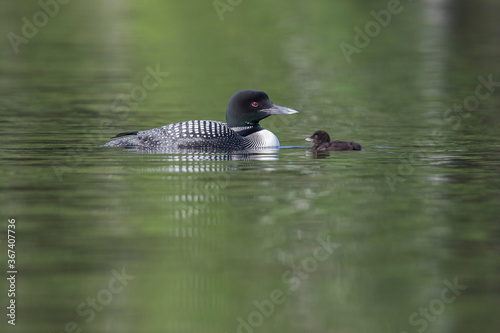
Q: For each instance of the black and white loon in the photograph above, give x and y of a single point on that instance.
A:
(241, 132)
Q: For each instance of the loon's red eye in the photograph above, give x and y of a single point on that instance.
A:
(255, 104)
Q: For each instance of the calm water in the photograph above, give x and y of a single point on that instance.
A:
(401, 237)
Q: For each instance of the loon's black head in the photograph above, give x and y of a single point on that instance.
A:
(248, 107)
(319, 137)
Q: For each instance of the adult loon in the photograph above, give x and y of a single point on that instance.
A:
(322, 142)
(241, 132)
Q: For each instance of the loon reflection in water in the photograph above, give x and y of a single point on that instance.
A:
(268, 154)
(241, 133)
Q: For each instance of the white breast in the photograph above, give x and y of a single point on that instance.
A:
(264, 138)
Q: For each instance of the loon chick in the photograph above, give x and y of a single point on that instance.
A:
(322, 142)
(241, 132)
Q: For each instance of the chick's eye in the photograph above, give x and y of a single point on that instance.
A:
(255, 104)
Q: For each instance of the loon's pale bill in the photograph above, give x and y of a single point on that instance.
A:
(278, 109)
